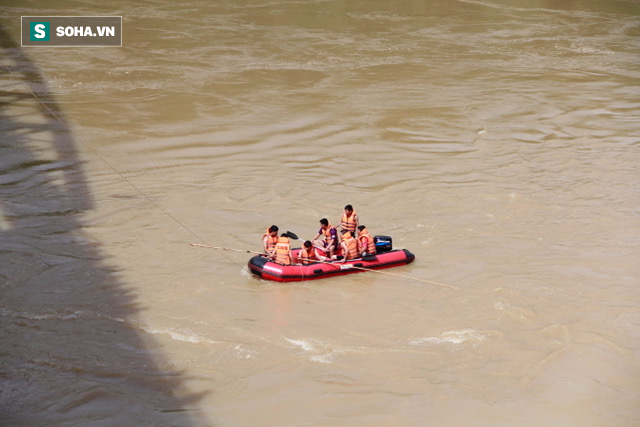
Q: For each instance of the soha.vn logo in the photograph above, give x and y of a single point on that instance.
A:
(78, 31)
(39, 32)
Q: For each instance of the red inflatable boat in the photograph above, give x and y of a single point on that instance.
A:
(385, 258)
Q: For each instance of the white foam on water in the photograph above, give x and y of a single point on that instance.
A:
(36, 316)
(326, 358)
(322, 353)
(243, 353)
(452, 337)
(304, 345)
(177, 335)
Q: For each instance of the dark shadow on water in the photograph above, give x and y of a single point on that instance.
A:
(70, 351)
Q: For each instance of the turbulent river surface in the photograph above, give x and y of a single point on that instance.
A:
(498, 140)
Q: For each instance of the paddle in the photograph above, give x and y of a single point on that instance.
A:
(293, 235)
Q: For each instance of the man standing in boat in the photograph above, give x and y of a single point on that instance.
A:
(349, 220)
(330, 243)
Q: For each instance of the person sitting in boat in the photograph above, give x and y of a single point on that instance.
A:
(366, 244)
(349, 246)
(309, 254)
(349, 220)
(269, 240)
(330, 243)
(283, 253)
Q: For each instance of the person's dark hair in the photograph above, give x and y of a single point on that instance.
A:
(284, 235)
(349, 207)
(307, 244)
(361, 227)
(273, 228)
(324, 221)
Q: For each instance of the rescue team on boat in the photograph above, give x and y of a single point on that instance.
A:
(328, 254)
(354, 242)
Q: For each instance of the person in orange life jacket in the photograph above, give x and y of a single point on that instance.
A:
(330, 242)
(283, 253)
(349, 220)
(309, 254)
(349, 246)
(366, 245)
(269, 240)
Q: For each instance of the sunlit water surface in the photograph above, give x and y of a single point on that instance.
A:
(497, 140)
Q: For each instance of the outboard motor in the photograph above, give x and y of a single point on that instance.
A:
(383, 244)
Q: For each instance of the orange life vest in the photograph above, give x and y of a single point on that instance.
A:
(328, 236)
(352, 246)
(367, 246)
(283, 247)
(349, 223)
(309, 256)
(271, 243)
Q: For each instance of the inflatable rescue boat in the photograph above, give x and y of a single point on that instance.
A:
(385, 257)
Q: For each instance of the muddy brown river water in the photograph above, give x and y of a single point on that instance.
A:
(498, 140)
